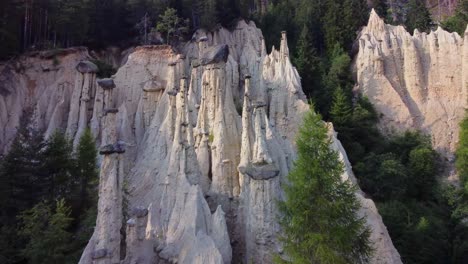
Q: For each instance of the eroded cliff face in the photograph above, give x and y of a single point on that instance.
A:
(417, 81)
(52, 84)
(194, 146)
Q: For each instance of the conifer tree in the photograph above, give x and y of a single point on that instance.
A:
(319, 214)
(341, 111)
(18, 173)
(87, 171)
(208, 14)
(418, 16)
(45, 229)
(307, 63)
(57, 167)
(462, 153)
(171, 24)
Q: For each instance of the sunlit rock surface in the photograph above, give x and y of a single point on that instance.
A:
(417, 81)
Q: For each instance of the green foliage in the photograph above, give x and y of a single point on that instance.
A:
(57, 167)
(307, 62)
(33, 172)
(383, 176)
(341, 21)
(105, 70)
(86, 170)
(462, 154)
(419, 230)
(381, 7)
(418, 16)
(319, 215)
(18, 173)
(45, 229)
(341, 111)
(458, 198)
(422, 168)
(171, 24)
(458, 22)
(404, 169)
(337, 76)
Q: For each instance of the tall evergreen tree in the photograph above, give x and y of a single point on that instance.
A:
(307, 62)
(57, 167)
(45, 229)
(19, 188)
(341, 111)
(87, 171)
(418, 16)
(172, 25)
(208, 14)
(458, 22)
(319, 215)
(462, 153)
(19, 184)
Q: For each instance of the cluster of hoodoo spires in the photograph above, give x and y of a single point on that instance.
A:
(195, 145)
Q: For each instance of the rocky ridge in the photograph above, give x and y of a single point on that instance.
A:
(415, 81)
(194, 145)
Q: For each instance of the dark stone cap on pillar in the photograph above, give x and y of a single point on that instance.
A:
(215, 54)
(87, 67)
(106, 83)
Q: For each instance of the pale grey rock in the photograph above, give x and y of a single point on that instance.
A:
(198, 138)
(415, 81)
(139, 212)
(100, 253)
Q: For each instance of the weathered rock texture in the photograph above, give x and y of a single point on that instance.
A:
(59, 86)
(194, 146)
(417, 81)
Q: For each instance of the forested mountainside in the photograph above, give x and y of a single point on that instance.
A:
(215, 125)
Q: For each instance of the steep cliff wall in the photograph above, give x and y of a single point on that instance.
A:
(417, 81)
(50, 83)
(196, 144)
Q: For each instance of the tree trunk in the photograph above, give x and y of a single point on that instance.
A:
(25, 29)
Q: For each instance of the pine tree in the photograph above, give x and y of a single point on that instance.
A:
(208, 14)
(18, 175)
(19, 184)
(87, 171)
(57, 167)
(462, 154)
(341, 110)
(46, 232)
(171, 24)
(307, 63)
(418, 16)
(380, 7)
(458, 22)
(338, 76)
(319, 214)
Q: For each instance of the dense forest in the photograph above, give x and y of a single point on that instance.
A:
(48, 196)
(48, 203)
(47, 24)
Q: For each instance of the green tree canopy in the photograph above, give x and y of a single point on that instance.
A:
(458, 22)
(171, 24)
(418, 16)
(45, 229)
(319, 214)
